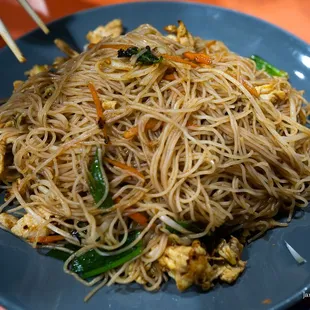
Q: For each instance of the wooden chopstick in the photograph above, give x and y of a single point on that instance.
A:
(10, 42)
(7, 37)
(34, 15)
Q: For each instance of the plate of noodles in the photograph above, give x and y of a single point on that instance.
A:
(155, 155)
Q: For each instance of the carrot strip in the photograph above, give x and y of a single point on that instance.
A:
(47, 239)
(96, 100)
(179, 59)
(99, 109)
(124, 167)
(198, 57)
(130, 133)
(139, 218)
(117, 200)
(133, 131)
(191, 123)
(210, 43)
(252, 90)
(169, 77)
(151, 124)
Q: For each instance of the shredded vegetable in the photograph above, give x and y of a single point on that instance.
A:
(99, 109)
(47, 239)
(139, 218)
(173, 224)
(132, 132)
(179, 59)
(169, 77)
(199, 57)
(91, 263)
(144, 56)
(124, 167)
(98, 182)
(299, 259)
(262, 64)
(252, 90)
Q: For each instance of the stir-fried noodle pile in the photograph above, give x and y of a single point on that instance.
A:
(142, 146)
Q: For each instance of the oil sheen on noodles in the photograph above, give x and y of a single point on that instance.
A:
(220, 144)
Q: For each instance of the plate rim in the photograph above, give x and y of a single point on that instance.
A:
(295, 298)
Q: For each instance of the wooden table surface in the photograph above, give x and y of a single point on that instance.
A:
(291, 15)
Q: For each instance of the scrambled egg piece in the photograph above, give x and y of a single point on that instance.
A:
(230, 251)
(113, 28)
(180, 34)
(37, 69)
(188, 265)
(269, 93)
(232, 266)
(7, 220)
(29, 227)
(230, 274)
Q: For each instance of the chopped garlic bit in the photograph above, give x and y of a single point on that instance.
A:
(109, 105)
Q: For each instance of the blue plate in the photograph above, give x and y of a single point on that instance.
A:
(31, 281)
